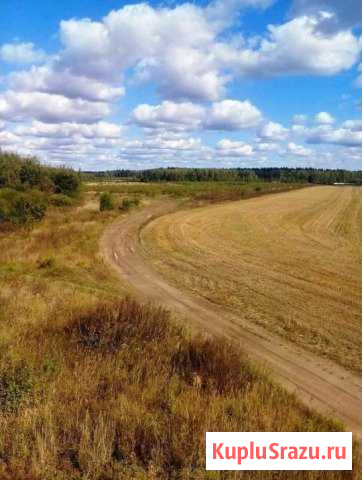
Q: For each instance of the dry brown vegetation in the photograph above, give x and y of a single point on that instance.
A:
(291, 263)
(95, 386)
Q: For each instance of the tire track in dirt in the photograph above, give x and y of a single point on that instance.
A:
(319, 383)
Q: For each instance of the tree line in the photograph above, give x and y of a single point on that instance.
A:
(283, 174)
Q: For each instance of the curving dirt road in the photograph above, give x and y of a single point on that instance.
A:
(320, 383)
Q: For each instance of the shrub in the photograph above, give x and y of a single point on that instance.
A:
(128, 203)
(21, 208)
(31, 173)
(106, 202)
(48, 262)
(60, 200)
(15, 384)
(4, 210)
(66, 182)
(222, 368)
(106, 326)
(10, 165)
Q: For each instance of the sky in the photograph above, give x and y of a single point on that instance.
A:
(223, 83)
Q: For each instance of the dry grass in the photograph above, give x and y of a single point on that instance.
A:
(207, 192)
(290, 262)
(109, 392)
(93, 387)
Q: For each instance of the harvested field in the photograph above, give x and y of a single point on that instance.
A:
(288, 262)
(137, 245)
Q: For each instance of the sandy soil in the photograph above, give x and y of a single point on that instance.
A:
(319, 382)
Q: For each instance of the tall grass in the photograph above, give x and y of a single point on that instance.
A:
(118, 391)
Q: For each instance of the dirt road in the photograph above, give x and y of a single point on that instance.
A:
(320, 383)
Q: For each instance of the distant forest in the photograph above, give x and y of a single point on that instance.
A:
(289, 175)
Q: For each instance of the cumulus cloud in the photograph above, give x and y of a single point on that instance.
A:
(48, 80)
(9, 139)
(345, 14)
(299, 47)
(233, 115)
(183, 52)
(348, 134)
(162, 149)
(184, 73)
(170, 46)
(175, 116)
(266, 147)
(224, 10)
(273, 131)
(160, 142)
(224, 115)
(21, 53)
(354, 125)
(229, 148)
(298, 150)
(339, 136)
(324, 118)
(18, 106)
(189, 54)
(70, 130)
(300, 119)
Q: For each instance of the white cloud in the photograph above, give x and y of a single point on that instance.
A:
(17, 106)
(8, 139)
(233, 115)
(181, 51)
(266, 147)
(298, 47)
(175, 116)
(160, 142)
(324, 118)
(229, 148)
(190, 54)
(349, 134)
(273, 131)
(225, 10)
(300, 119)
(339, 136)
(345, 14)
(298, 150)
(46, 79)
(224, 115)
(164, 149)
(21, 53)
(354, 125)
(71, 130)
(170, 46)
(184, 73)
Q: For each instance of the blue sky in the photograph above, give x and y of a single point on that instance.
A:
(210, 83)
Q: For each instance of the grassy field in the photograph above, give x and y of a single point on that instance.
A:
(195, 191)
(93, 386)
(290, 262)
